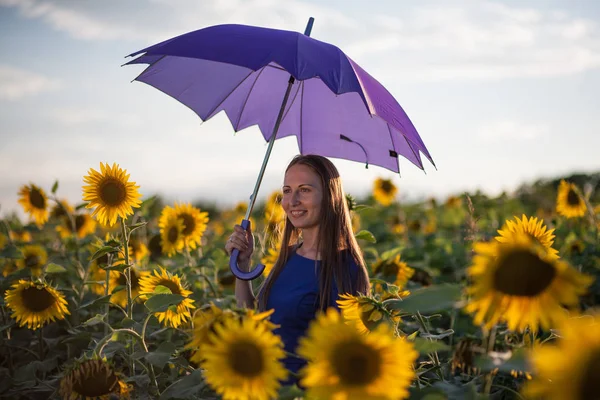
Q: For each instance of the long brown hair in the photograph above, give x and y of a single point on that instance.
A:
(335, 241)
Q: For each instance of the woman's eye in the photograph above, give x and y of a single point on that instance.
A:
(304, 190)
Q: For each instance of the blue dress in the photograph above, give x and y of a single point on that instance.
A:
(294, 297)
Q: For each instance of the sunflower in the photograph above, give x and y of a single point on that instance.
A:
(117, 279)
(364, 312)
(204, 322)
(137, 249)
(344, 364)
(97, 274)
(35, 203)
(34, 258)
(171, 318)
(384, 191)
(194, 222)
(569, 202)
(110, 193)
(520, 283)
(62, 208)
(155, 247)
(394, 269)
(84, 225)
(244, 360)
(532, 227)
(269, 260)
(273, 210)
(570, 368)
(171, 234)
(453, 202)
(20, 236)
(93, 379)
(35, 304)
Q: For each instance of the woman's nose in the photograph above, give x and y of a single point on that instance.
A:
(295, 199)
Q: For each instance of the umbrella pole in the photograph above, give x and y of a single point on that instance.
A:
(256, 272)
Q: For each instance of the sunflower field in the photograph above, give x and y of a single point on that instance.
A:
(473, 297)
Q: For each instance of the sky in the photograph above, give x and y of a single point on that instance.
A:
(501, 92)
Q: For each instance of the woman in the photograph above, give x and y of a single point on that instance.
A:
(318, 258)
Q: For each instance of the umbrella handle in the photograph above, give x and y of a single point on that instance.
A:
(233, 265)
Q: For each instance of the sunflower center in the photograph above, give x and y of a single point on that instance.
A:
(37, 199)
(391, 269)
(356, 363)
(173, 234)
(32, 260)
(173, 287)
(37, 300)
(246, 359)
(522, 273)
(189, 224)
(589, 386)
(79, 221)
(386, 186)
(113, 192)
(96, 383)
(573, 198)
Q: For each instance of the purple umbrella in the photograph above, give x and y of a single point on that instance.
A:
(287, 83)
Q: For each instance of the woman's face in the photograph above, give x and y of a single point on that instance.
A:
(302, 196)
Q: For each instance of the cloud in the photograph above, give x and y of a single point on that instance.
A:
(16, 83)
(512, 131)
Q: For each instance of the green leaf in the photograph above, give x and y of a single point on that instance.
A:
(55, 269)
(161, 355)
(390, 253)
(162, 302)
(366, 235)
(427, 300)
(439, 336)
(118, 267)
(137, 226)
(103, 251)
(55, 186)
(424, 346)
(11, 251)
(95, 320)
(185, 387)
(360, 207)
(96, 302)
(160, 289)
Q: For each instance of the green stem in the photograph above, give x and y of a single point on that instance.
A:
(128, 269)
(435, 358)
(106, 291)
(489, 377)
(151, 367)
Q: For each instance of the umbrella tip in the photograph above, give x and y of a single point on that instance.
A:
(309, 26)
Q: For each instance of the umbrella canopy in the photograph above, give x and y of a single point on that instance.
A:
(335, 108)
(287, 84)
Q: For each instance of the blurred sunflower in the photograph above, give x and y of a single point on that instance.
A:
(97, 274)
(345, 364)
(273, 210)
(110, 193)
(363, 312)
(93, 379)
(519, 283)
(244, 360)
(170, 318)
(569, 369)
(453, 202)
(34, 202)
(397, 225)
(194, 222)
(155, 246)
(393, 269)
(384, 191)
(269, 259)
(84, 225)
(34, 259)
(35, 304)
(62, 208)
(569, 202)
(20, 236)
(532, 227)
(3, 240)
(117, 279)
(204, 322)
(171, 234)
(575, 246)
(137, 249)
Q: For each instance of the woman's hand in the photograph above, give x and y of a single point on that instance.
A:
(244, 242)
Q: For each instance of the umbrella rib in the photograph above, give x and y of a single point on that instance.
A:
(246, 101)
(413, 151)
(229, 94)
(393, 147)
(291, 104)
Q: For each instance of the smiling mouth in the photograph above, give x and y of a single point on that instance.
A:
(297, 214)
